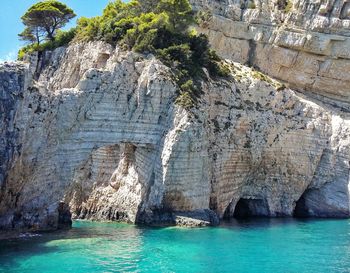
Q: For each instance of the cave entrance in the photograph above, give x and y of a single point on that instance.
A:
(64, 216)
(301, 210)
(246, 208)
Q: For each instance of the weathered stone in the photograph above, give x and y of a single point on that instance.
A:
(108, 141)
(303, 43)
(11, 93)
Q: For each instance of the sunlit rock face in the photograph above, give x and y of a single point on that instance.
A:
(304, 43)
(92, 132)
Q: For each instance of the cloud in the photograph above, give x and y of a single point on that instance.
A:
(10, 56)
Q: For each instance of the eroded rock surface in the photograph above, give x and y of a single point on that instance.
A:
(304, 43)
(11, 93)
(98, 136)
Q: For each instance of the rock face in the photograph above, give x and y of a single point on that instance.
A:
(92, 132)
(11, 92)
(304, 43)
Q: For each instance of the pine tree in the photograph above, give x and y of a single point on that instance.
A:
(43, 19)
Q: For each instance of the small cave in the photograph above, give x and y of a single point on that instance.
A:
(64, 216)
(102, 60)
(246, 208)
(301, 210)
(318, 203)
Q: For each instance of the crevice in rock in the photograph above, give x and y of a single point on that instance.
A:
(41, 62)
(251, 53)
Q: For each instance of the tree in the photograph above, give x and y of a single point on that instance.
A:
(43, 19)
(179, 12)
(148, 5)
(30, 34)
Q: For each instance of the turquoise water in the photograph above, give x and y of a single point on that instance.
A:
(248, 246)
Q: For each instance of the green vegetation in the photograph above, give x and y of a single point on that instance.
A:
(288, 6)
(262, 77)
(43, 22)
(162, 28)
(43, 19)
(285, 5)
(203, 17)
(164, 32)
(61, 38)
(251, 5)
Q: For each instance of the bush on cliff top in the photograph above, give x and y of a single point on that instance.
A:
(158, 27)
(165, 32)
(62, 38)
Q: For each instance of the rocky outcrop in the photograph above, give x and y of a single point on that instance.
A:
(303, 43)
(11, 93)
(93, 132)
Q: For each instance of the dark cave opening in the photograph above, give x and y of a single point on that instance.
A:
(301, 210)
(313, 203)
(242, 209)
(246, 208)
(64, 216)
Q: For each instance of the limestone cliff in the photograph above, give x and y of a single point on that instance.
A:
(92, 132)
(304, 43)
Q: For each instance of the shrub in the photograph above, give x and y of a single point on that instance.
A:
(165, 32)
(251, 5)
(62, 38)
(203, 18)
(288, 7)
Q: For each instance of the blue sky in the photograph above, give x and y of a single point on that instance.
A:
(10, 22)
